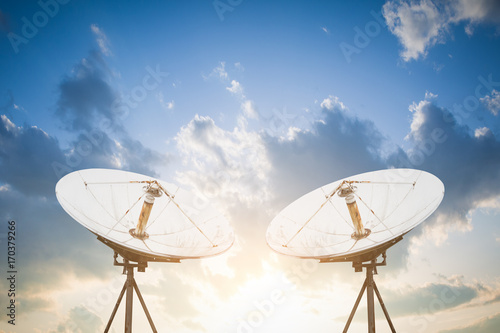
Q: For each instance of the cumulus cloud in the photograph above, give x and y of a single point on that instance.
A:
(492, 102)
(419, 25)
(338, 146)
(468, 165)
(332, 102)
(482, 131)
(228, 164)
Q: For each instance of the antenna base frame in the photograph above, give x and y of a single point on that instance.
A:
(369, 286)
(128, 288)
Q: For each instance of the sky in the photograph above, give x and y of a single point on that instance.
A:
(252, 104)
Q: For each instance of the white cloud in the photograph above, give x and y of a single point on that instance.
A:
(235, 88)
(482, 131)
(247, 106)
(227, 165)
(418, 117)
(492, 102)
(218, 72)
(332, 102)
(249, 110)
(490, 203)
(430, 95)
(419, 25)
(18, 107)
(325, 29)
(467, 164)
(9, 125)
(475, 12)
(101, 39)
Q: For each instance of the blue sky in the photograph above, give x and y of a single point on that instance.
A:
(253, 104)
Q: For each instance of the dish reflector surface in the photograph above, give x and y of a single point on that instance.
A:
(391, 203)
(109, 202)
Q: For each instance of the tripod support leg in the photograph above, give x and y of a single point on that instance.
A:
(351, 316)
(144, 307)
(393, 330)
(116, 308)
(370, 286)
(129, 299)
(369, 299)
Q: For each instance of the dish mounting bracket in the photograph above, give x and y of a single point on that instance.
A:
(369, 286)
(129, 286)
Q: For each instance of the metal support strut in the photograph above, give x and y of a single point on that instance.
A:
(129, 286)
(370, 286)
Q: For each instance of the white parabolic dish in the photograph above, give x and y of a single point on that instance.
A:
(391, 203)
(109, 202)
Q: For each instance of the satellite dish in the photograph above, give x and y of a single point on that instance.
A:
(146, 218)
(356, 219)
(143, 219)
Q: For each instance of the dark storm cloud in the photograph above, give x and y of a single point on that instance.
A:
(26, 154)
(86, 96)
(340, 146)
(88, 106)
